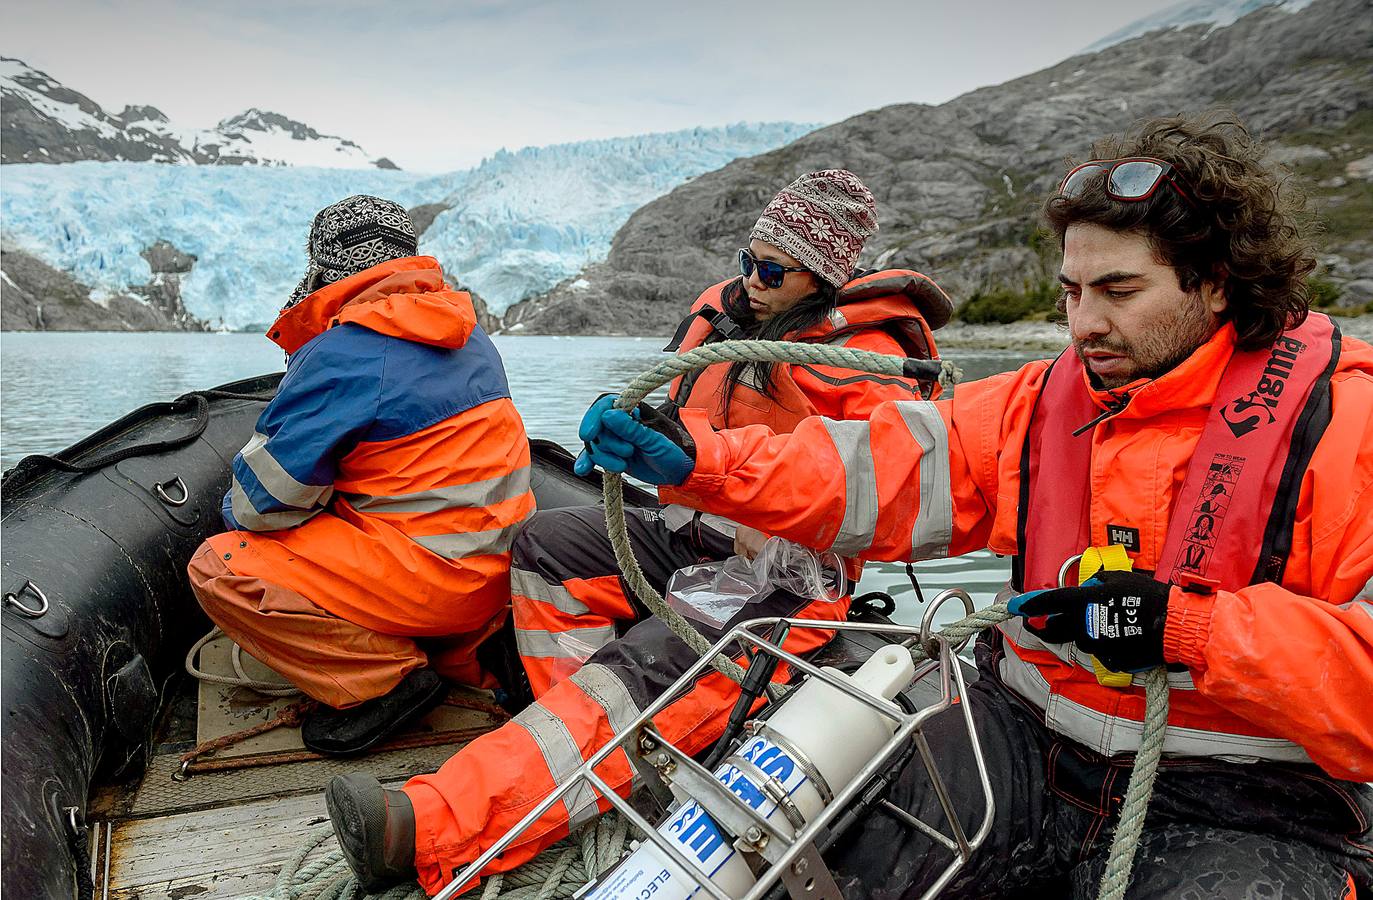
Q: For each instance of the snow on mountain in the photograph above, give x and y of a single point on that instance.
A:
(45, 121)
(516, 224)
(1216, 13)
(521, 222)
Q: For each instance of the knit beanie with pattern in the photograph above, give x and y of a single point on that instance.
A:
(821, 219)
(352, 235)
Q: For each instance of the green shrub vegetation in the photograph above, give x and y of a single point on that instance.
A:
(1003, 305)
(1325, 294)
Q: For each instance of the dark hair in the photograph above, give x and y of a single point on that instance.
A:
(1244, 230)
(809, 311)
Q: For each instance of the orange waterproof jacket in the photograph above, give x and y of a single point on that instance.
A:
(1276, 663)
(892, 311)
(389, 474)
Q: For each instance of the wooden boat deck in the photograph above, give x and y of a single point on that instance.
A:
(224, 834)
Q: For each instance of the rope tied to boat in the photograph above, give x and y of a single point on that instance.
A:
(563, 869)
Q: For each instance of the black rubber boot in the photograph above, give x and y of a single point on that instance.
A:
(375, 829)
(343, 732)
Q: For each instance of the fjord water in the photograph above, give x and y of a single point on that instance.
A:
(59, 387)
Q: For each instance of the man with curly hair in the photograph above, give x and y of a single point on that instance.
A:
(1206, 446)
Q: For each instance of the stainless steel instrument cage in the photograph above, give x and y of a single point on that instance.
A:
(775, 848)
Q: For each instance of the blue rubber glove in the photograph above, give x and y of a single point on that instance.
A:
(1118, 617)
(646, 445)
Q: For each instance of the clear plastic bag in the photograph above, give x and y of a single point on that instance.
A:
(713, 592)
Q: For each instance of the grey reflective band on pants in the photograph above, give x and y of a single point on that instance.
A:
(527, 584)
(933, 531)
(610, 693)
(562, 756)
(574, 643)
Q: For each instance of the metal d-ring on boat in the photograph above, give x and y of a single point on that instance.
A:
(160, 489)
(29, 612)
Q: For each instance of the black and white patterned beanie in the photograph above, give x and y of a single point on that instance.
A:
(822, 219)
(350, 236)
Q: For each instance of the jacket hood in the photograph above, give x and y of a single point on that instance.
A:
(405, 298)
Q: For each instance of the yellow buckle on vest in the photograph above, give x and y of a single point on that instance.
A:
(1110, 559)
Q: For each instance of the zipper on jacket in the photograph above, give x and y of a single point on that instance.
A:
(1114, 406)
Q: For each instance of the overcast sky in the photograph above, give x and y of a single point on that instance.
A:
(438, 85)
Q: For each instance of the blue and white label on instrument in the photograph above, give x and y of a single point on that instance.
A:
(649, 874)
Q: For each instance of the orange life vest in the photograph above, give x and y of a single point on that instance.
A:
(902, 303)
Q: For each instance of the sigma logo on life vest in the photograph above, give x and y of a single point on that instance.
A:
(1258, 407)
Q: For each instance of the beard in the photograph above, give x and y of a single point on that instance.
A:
(1159, 350)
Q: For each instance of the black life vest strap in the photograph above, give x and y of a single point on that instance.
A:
(720, 324)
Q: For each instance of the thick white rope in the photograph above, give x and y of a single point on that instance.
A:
(266, 688)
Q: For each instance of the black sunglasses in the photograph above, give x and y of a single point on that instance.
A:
(1132, 178)
(769, 272)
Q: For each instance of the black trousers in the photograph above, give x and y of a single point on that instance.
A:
(1214, 829)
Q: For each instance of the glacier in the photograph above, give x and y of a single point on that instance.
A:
(513, 226)
(1216, 13)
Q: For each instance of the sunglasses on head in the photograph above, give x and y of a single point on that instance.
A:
(769, 272)
(1131, 178)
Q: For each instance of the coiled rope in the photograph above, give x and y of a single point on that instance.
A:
(563, 869)
(318, 871)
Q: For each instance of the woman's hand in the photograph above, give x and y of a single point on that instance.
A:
(748, 541)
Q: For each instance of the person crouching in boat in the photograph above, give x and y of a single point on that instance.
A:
(594, 660)
(374, 507)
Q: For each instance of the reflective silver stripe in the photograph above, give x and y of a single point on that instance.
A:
(468, 543)
(277, 481)
(1110, 735)
(1365, 605)
(527, 584)
(1365, 595)
(610, 694)
(676, 518)
(933, 531)
(859, 527)
(248, 517)
(1014, 628)
(562, 756)
(476, 495)
(574, 643)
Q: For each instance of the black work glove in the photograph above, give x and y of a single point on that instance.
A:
(1118, 617)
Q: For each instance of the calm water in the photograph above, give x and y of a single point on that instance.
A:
(56, 388)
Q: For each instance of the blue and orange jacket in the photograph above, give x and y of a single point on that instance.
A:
(391, 471)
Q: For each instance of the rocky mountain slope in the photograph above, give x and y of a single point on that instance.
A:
(41, 298)
(44, 121)
(958, 184)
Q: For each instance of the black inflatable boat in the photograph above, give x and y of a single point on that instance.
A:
(97, 614)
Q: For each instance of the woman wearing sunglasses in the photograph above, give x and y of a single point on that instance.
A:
(591, 656)
(797, 282)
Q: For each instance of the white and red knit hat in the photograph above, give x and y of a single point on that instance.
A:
(821, 219)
